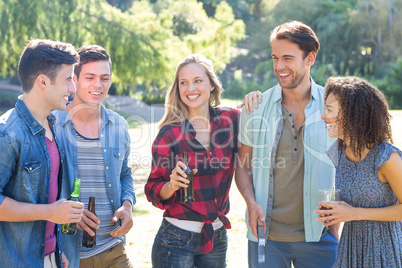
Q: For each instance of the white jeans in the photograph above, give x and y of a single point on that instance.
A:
(50, 261)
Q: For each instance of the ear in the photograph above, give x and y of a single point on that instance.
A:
(311, 58)
(212, 89)
(75, 79)
(42, 81)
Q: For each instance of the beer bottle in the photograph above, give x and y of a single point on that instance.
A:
(71, 228)
(187, 194)
(88, 240)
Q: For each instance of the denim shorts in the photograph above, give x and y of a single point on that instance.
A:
(174, 247)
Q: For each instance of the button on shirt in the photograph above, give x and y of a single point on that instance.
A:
(261, 130)
(287, 221)
(211, 182)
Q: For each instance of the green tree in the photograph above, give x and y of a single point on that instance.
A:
(21, 20)
(142, 37)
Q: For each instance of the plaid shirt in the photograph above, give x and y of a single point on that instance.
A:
(211, 182)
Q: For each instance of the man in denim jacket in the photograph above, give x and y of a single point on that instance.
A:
(30, 160)
(97, 146)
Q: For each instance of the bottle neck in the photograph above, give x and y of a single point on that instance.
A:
(91, 204)
(76, 188)
(185, 158)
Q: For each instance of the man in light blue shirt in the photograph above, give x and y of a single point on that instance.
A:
(97, 146)
(282, 161)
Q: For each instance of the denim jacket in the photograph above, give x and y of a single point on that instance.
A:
(115, 142)
(25, 177)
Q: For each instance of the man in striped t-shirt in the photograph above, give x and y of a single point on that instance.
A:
(97, 146)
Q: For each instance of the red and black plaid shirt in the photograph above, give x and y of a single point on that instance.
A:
(211, 182)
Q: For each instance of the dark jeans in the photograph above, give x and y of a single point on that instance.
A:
(177, 248)
(321, 254)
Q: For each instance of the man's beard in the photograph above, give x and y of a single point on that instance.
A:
(294, 82)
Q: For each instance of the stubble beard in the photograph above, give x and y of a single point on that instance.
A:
(294, 82)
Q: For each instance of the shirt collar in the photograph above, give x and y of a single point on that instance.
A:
(105, 117)
(214, 117)
(314, 90)
(277, 96)
(26, 115)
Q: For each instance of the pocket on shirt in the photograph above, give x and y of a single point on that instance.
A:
(119, 153)
(30, 176)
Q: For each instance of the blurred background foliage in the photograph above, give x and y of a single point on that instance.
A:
(147, 39)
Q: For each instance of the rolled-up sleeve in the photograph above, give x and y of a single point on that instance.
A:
(245, 126)
(162, 166)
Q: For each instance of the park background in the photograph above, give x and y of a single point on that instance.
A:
(146, 40)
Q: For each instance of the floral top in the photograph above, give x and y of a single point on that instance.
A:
(367, 243)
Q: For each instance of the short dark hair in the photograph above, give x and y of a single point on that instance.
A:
(91, 53)
(366, 121)
(298, 33)
(42, 56)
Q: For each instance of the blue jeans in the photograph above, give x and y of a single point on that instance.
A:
(321, 254)
(177, 248)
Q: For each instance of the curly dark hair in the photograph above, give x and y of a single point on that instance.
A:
(364, 109)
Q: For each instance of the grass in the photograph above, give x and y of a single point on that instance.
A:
(140, 212)
(131, 124)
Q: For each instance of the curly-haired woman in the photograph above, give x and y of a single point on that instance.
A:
(369, 175)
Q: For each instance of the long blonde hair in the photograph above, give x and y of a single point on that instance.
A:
(175, 109)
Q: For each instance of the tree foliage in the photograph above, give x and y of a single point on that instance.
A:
(146, 40)
(358, 37)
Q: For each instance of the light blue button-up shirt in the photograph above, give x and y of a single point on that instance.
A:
(115, 143)
(262, 130)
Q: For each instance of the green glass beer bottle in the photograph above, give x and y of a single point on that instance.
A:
(71, 228)
(89, 241)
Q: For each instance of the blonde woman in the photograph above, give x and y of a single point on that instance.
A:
(193, 234)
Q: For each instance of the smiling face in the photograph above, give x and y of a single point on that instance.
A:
(332, 117)
(93, 82)
(61, 88)
(195, 88)
(290, 66)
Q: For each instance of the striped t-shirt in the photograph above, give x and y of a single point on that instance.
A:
(93, 183)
